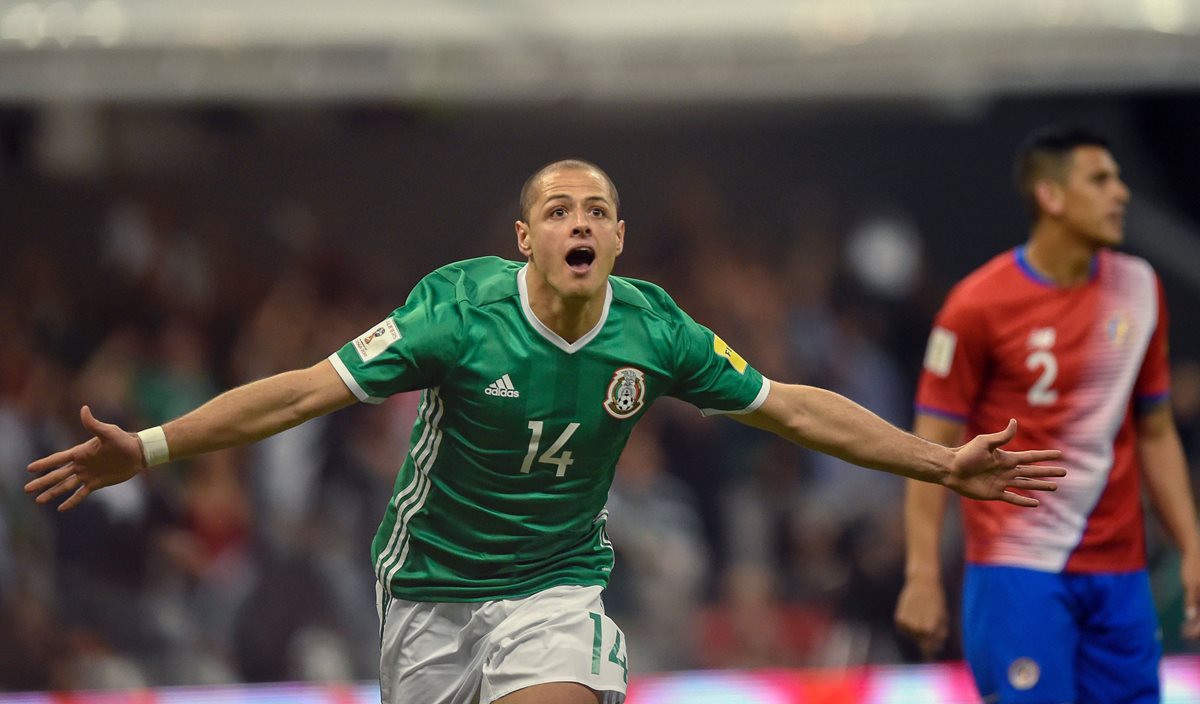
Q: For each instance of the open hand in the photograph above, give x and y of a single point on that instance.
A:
(981, 470)
(110, 457)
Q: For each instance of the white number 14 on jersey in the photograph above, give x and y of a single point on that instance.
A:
(561, 461)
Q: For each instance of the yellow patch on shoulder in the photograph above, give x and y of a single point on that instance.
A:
(727, 352)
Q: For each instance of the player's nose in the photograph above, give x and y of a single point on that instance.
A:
(1122, 194)
(581, 226)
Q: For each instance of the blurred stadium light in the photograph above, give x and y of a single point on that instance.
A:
(625, 50)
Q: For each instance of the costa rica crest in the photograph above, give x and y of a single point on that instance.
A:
(626, 393)
(1117, 328)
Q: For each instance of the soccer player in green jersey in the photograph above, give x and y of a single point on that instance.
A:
(492, 553)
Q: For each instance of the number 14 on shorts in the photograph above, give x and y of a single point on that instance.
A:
(614, 654)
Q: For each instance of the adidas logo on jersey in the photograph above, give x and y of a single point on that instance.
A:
(502, 387)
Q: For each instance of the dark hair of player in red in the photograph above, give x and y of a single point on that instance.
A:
(1046, 153)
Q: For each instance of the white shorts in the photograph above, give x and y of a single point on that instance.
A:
(464, 653)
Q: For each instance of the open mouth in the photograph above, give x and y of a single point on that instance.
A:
(580, 259)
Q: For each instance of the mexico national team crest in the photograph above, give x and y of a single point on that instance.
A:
(626, 393)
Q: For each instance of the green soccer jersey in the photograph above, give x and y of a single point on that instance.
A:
(502, 492)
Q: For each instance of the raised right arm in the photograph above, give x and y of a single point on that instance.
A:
(237, 417)
(258, 410)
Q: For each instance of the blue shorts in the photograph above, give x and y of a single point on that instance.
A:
(1039, 637)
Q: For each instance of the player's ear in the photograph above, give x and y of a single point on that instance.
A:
(620, 236)
(1050, 196)
(523, 243)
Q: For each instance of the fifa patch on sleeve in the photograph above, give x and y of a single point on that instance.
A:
(373, 342)
(727, 352)
(939, 355)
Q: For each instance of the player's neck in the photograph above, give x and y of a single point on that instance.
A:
(569, 318)
(1060, 258)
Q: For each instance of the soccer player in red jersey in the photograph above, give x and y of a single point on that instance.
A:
(1069, 337)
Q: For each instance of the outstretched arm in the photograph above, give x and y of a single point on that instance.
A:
(1165, 470)
(833, 424)
(237, 417)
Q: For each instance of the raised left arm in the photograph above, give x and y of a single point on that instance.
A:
(822, 420)
(1164, 468)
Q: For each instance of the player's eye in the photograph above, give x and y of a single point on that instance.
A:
(599, 212)
(558, 212)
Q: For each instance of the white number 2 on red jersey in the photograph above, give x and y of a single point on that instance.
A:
(1040, 394)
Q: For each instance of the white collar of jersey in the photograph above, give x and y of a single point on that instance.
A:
(554, 338)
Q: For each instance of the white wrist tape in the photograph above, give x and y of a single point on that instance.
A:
(154, 446)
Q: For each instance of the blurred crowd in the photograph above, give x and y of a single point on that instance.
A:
(734, 549)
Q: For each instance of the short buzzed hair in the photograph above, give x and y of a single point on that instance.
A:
(528, 191)
(1046, 153)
